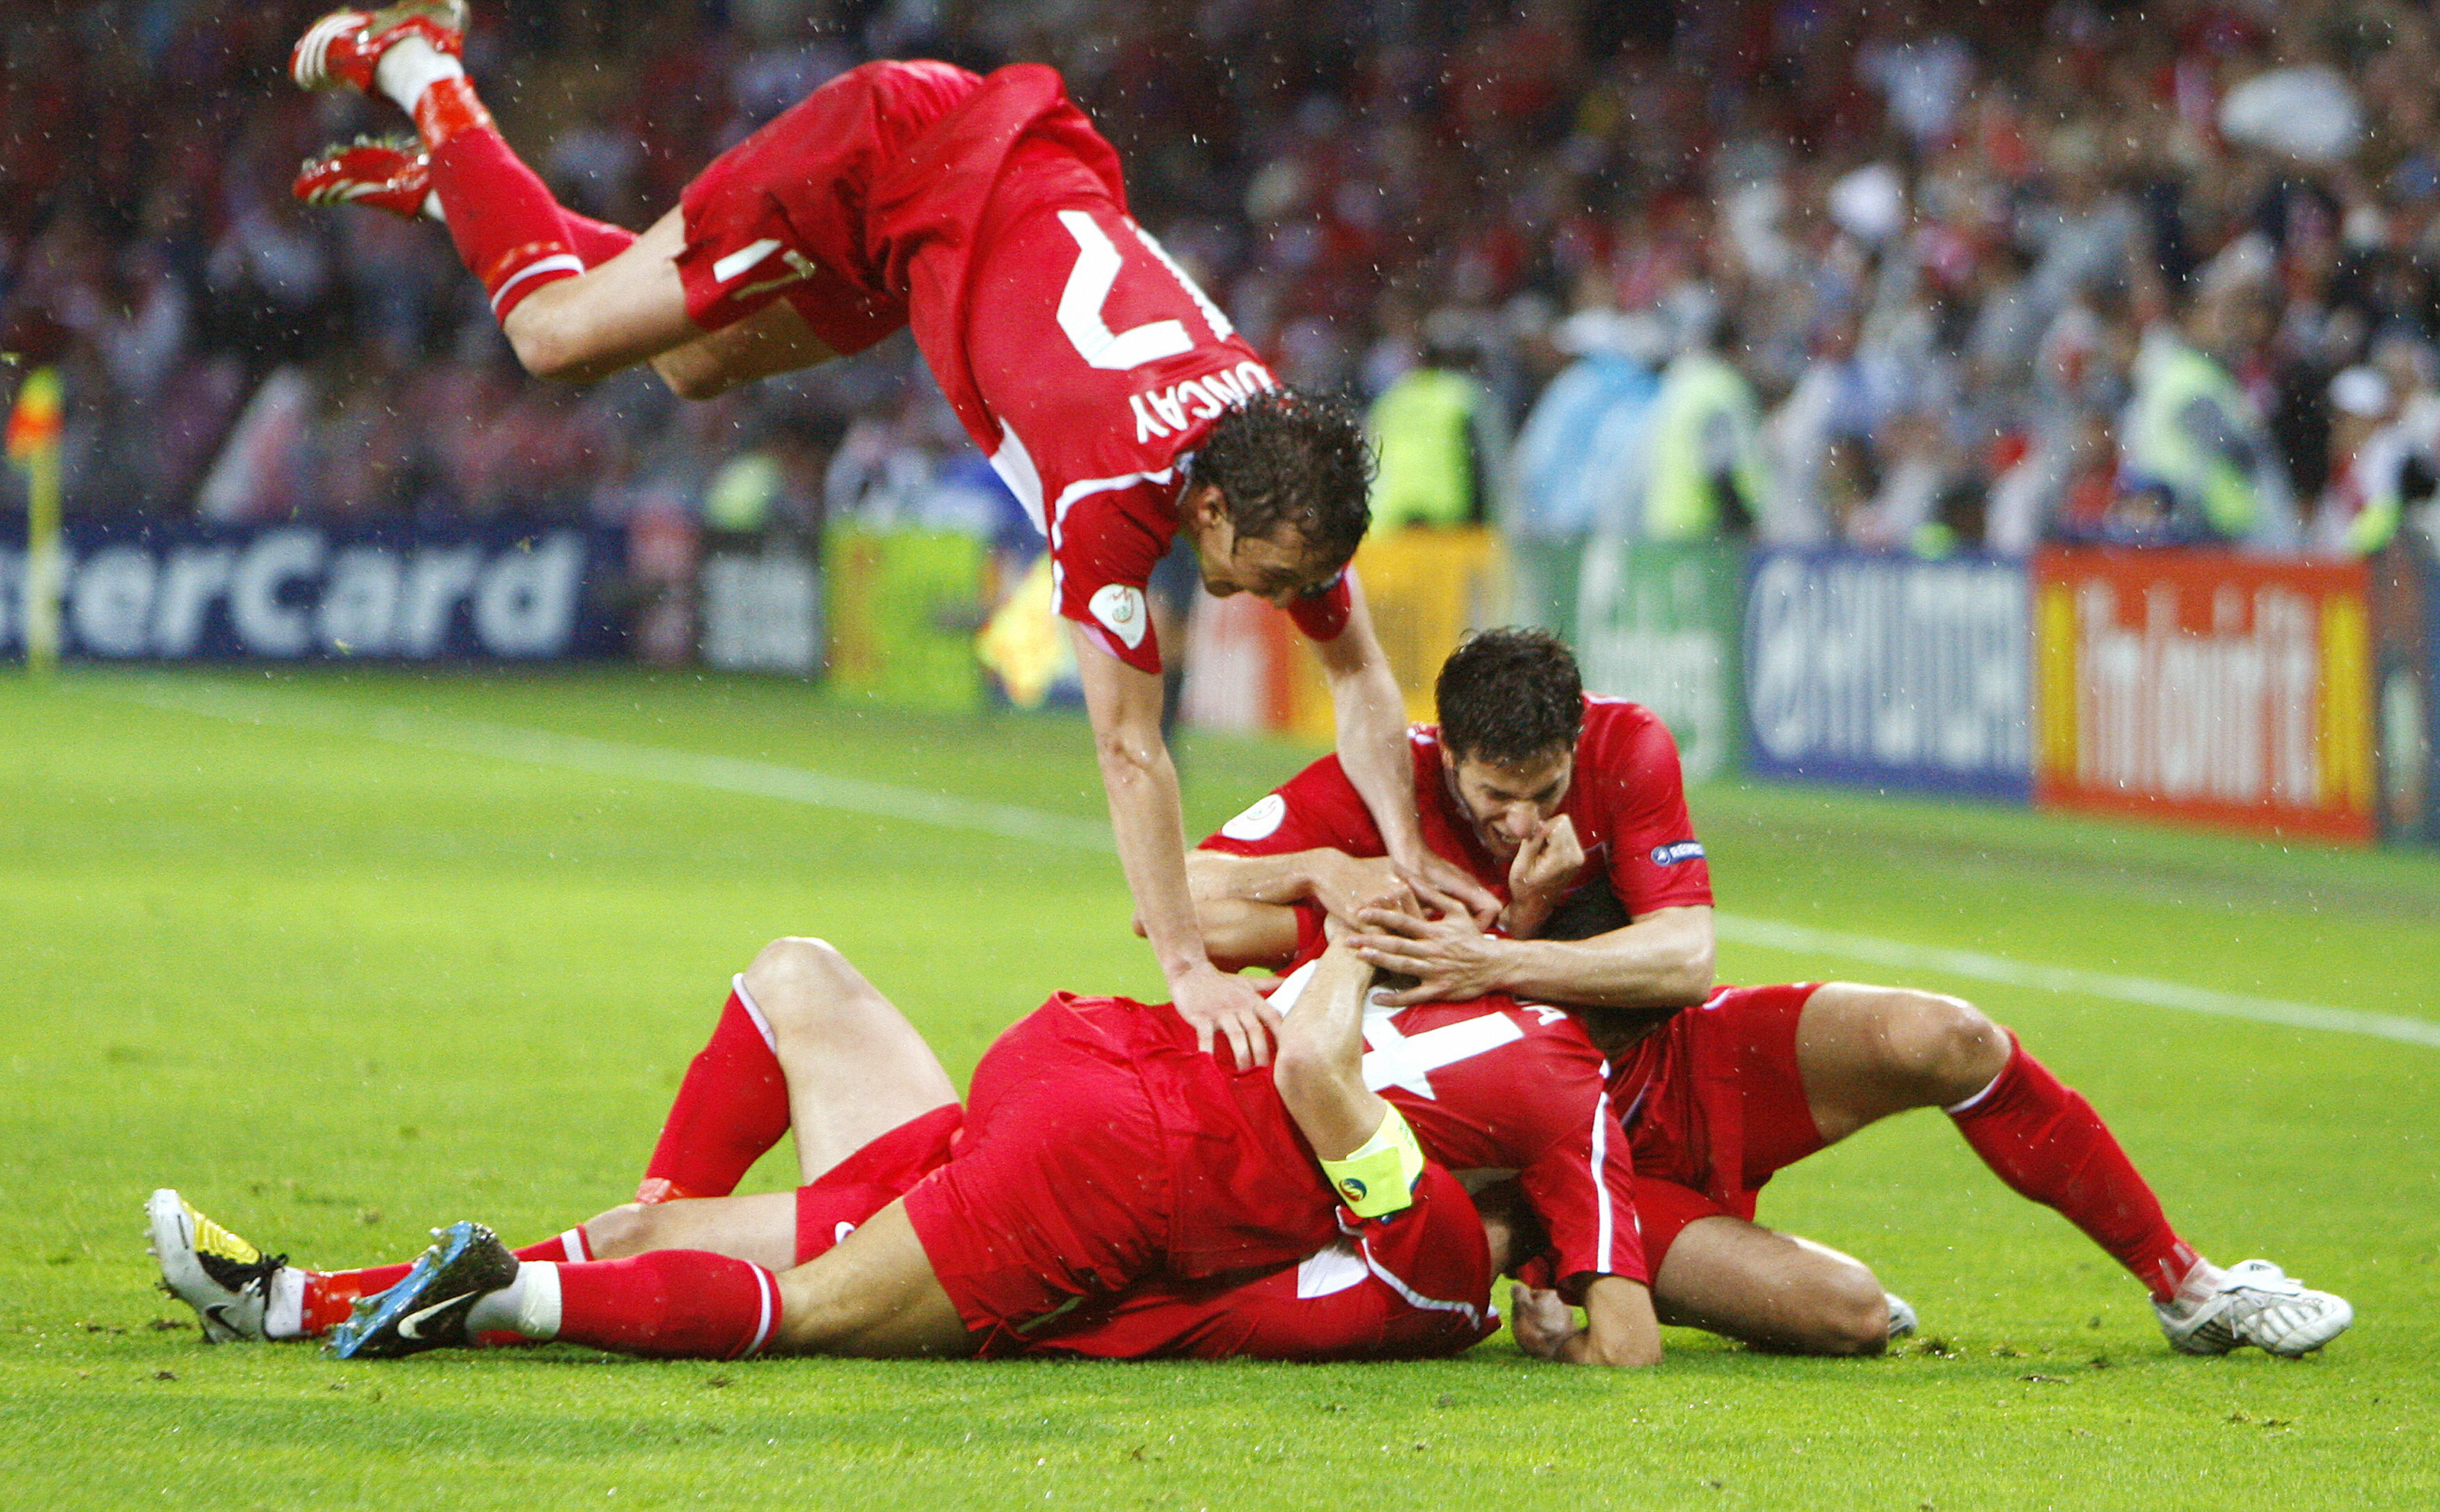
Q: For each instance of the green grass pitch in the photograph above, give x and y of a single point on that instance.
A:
(343, 957)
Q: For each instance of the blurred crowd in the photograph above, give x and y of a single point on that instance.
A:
(1905, 275)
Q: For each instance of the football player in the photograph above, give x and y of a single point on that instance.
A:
(1111, 1190)
(986, 214)
(1573, 808)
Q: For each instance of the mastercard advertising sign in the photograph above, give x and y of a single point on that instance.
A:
(2218, 689)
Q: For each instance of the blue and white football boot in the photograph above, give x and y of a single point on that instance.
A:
(427, 1310)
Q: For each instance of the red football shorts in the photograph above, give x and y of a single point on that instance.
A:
(1416, 1286)
(1058, 1189)
(800, 182)
(842, 1197)
(1713, 1104)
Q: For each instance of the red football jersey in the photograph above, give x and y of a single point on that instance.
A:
(1413, 1285)
(1082, 359)
(1499, 1085)
(1627, 801)
(1488, 1085)
(990, 216)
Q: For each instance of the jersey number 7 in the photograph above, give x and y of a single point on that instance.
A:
(1088, 289)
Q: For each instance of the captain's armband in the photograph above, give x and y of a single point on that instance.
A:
(1379, 1178)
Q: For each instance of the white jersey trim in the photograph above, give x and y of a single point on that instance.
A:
(1608, 1226)
(1413, 1298)
(1015, 465)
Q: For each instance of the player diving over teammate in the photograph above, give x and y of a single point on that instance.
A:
(1110, 1191)
(1573, 809)
(1108, 391)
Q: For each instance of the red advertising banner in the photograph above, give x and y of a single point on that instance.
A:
(2223, 690)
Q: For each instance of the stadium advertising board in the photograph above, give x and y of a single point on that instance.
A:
(1240, 666)
(1887, 671)
(1426, 590)
(2399, 580)
(1658, 624)
(2193, 685)
(762, 607)
(1543, 575)
(903, 608)
(175, 590)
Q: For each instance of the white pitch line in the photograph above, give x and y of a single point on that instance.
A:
(794, 785)
(2149, 991)
(604, 758)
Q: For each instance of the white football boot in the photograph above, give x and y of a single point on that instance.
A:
(1903, 1321)
(224, 1279)
(2254, 1302)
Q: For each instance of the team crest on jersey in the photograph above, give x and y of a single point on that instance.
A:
(1677, 851)
(1120, 607)
(1260, 822)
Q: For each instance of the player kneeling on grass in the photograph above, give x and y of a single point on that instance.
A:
(1570, 808)
(876, 1120)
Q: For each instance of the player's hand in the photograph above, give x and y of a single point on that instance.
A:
(1545, 868)
(1393, 897)
(1443, 886)
(1450, 960)
(1542, 1322)
(1343, 884)
(1217, 1004)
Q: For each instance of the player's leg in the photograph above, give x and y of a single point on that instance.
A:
(804, 1039)
(776, 338)
(873, 1296)
(629, 310)
(1866, 1053)
(240, 1293)
(1715, 1270)
(508, 230)
(856, 1068)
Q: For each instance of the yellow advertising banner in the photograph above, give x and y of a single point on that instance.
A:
(1427, 589)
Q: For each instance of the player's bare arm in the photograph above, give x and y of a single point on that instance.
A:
(1662, 960)
(1620, 1328)
(1246, 905)
(1372, 723)
(1320, 1069)
(1124, 706)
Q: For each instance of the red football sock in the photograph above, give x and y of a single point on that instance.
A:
(732, 1107)
(594, 242)
(508, 228)
(2046, 1141)
(331, 1294)
(680, 1304)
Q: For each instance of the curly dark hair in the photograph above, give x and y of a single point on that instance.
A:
(1510, 696)
(1286, 458)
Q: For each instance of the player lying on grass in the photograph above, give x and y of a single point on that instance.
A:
(1110, 394)
(1060, 1217)
(1573, 808)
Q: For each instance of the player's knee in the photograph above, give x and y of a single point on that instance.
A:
(626, 1230)
(1855, 1318)
(543, 343)
(1846, 1312)
(1940, 1046)
(794, 979)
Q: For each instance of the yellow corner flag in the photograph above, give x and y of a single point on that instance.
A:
(34, 439)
